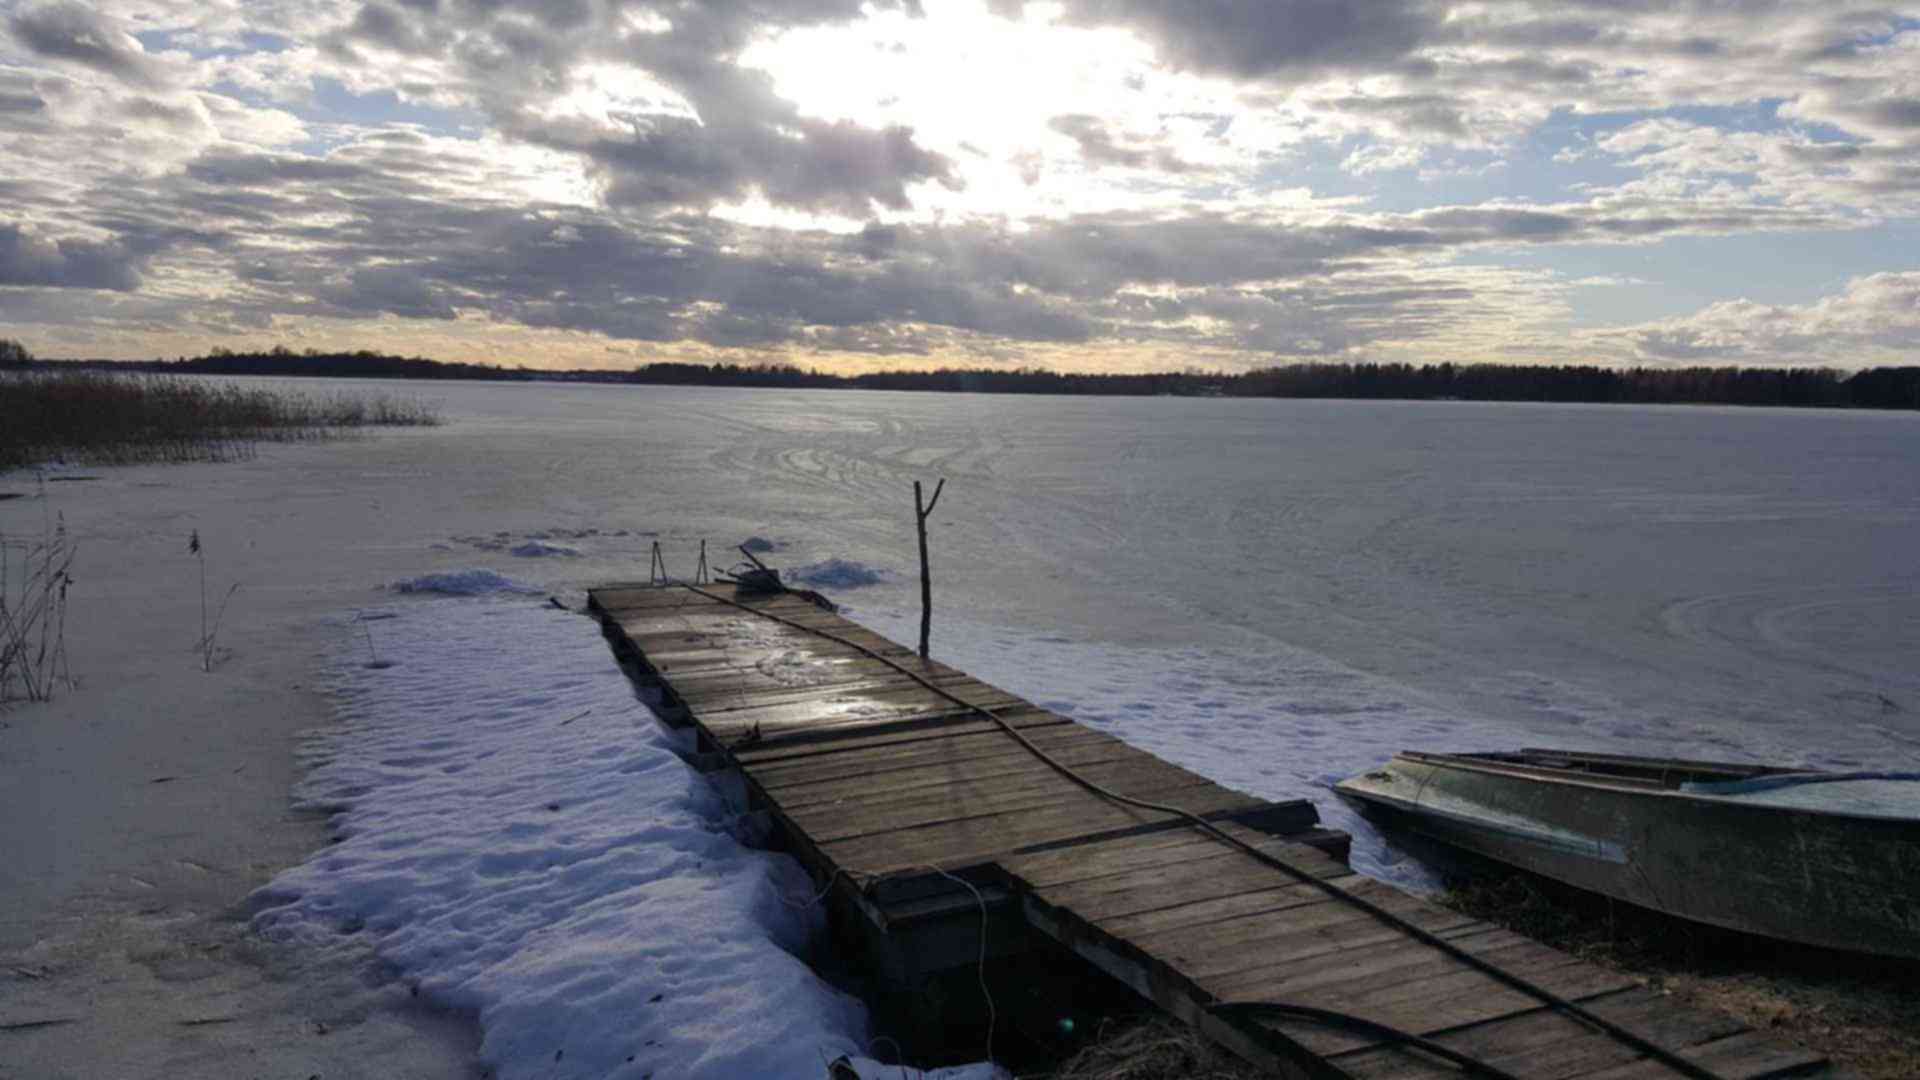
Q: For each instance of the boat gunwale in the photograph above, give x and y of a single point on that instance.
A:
(1613, 784)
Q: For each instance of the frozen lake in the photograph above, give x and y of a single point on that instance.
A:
(1283, 592)
(1276, 593)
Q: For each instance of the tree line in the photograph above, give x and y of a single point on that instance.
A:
(1876, 388)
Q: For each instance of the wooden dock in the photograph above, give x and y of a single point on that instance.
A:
(928, 824)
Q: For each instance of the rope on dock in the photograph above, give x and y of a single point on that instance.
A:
(1547, 997)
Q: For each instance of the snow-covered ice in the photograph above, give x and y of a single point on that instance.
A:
(835, 574)
(475, 582)
(519, 838)
(542, 549)
(1275, 594)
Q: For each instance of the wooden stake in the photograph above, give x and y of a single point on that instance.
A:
(926, 577)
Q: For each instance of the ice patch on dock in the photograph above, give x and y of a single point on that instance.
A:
(519, 839)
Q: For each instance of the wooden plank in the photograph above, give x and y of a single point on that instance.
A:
(997, 797)
(1215, 909)
(1392, 976)
(964, 722)
(1403, 958)
(1552, 1045)
(957, 747)
(689, 652)
(709, 645)
(799, 742)
(1231, 873)
(838, 711)
(1017, 762)
(614, 599)
(762, 693)
(1327, 925)
(975, 840)
(715, 696)
(1507, 1038)
(1748, 1055)
(638, 596)
(1086, 862)
(1448, 1001)
(1303, 929)
(1561, 1050)
(947, 723)
(881, 694)
(724, 623)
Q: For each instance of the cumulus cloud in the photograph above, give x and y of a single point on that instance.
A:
(706, 131)
(1875, 319)
(72, 32)
(1100, 146)
(1266, 38)
(26, 259)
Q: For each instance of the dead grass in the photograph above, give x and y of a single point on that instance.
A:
(1862, 1012)
(1156, 1048)
(105, 418)
(35, 574)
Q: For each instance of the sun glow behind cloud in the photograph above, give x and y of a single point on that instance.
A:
(988, 91)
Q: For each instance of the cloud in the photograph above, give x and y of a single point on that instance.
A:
(727, 136)
(1098, 146)
(21, 103)
(68, 263)
(395, 290)
(1874, 320)
(1268, 38)
(78, 34)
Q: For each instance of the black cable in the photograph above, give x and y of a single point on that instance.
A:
(1541, 994)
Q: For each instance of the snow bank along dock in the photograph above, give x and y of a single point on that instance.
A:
(925, 806)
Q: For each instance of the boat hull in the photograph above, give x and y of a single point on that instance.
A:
(1834, 880)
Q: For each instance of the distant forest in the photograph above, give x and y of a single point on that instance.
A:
(1874, 388)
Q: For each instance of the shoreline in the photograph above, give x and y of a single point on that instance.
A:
(1877, 389)
(140, 811)
(142, 807)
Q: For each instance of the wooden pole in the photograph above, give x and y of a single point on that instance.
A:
(926, 577)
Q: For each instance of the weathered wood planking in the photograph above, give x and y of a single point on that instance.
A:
(1194, 924)
(878, 780)
(878, 774)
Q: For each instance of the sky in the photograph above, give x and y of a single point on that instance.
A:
(1092, 185)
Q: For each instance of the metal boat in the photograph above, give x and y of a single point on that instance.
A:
(1825, 858)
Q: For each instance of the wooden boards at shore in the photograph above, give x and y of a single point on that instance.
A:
(879, 774)
(881, 770)
(1196, 924)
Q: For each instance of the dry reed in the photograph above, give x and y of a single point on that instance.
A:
(34, 577)
(106, 418)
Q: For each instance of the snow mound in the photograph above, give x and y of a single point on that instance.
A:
(836, 574)
(519, 840)
(540, 549)
(463, 583)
